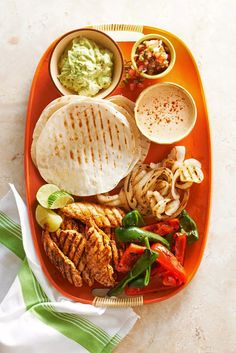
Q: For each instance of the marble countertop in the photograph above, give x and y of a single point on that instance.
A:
(202, 318)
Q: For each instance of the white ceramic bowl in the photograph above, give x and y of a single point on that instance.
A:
(165, 113)
(103, 40)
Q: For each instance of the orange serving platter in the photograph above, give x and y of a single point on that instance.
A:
(198, 145)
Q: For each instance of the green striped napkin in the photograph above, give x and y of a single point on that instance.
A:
(34, 317)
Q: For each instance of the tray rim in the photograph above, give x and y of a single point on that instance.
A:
(26, 163)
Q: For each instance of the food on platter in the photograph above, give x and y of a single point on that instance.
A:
(101, 244)
(165, 113)
(83, 146)
(50, 196)
(152, 56)
(82, 132)
(100, 215)
(93, 243)
(114, 215)
(123, 102)
(83, 247)
(161, 189)
(85, 68)
(126, 107)
(48, 111)
(60, 261)
(47, 219)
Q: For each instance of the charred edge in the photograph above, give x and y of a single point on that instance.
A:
(75, 259)
(104, 137)
(110, 134)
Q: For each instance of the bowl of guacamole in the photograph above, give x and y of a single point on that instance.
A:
(86, 62)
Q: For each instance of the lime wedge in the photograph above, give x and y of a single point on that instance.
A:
(44, 192)
(47, 219)
(59, 199)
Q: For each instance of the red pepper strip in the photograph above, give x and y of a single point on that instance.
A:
(155, 285)
(129, 257)
(165, 276)
(164, 228)
(158, 270)
(169, 281)
(169, 262)
(180, 241)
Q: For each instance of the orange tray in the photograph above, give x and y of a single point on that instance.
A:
(198, 145)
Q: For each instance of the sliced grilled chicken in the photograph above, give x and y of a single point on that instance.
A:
(98, 254)
(71, 243)
(71, 224)
(117, 251)
(90, 213)
(61, 261)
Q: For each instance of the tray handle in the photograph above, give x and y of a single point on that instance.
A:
(114, 302)
(119, 27)
(121, 33)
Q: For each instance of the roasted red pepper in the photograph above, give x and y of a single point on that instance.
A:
(164, 228)
(169, 281)
(129, 257)
(165, 276)
(169, 262)
(180, 241)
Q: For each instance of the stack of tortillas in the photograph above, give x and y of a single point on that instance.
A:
(85, 146)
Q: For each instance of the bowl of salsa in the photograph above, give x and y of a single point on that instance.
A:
(153, 56)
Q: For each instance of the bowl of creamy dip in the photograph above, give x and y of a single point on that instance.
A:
(86, 62)
(165, 113)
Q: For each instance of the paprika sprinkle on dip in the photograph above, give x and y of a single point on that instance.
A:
(165, 113)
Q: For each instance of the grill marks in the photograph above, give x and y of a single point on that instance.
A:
(103, 135)
(60, 261)
(99, 255)
(92, 255)
(101, 215)
(91, 142)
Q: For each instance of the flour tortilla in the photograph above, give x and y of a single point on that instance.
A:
(48, 111)
(85, 148)
(129, 105)
(123, 102)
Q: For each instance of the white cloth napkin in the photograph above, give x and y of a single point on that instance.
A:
(34, 317)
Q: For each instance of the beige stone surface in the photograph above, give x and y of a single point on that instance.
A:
(202, 318)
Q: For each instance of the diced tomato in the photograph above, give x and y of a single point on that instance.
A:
(140, 67)
(131, 72)
(167, 260)
(140, 85)
(129, 257)
(141, 47)
(131, 86)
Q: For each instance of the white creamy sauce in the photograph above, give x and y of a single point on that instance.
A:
(164, 113)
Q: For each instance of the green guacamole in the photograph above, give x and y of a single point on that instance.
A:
(85, 68)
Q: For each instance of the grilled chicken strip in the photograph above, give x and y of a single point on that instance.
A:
(117, 252)
(90, 213)
(61, 261)
(98, 255)
(71, 224)
(71, 243)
